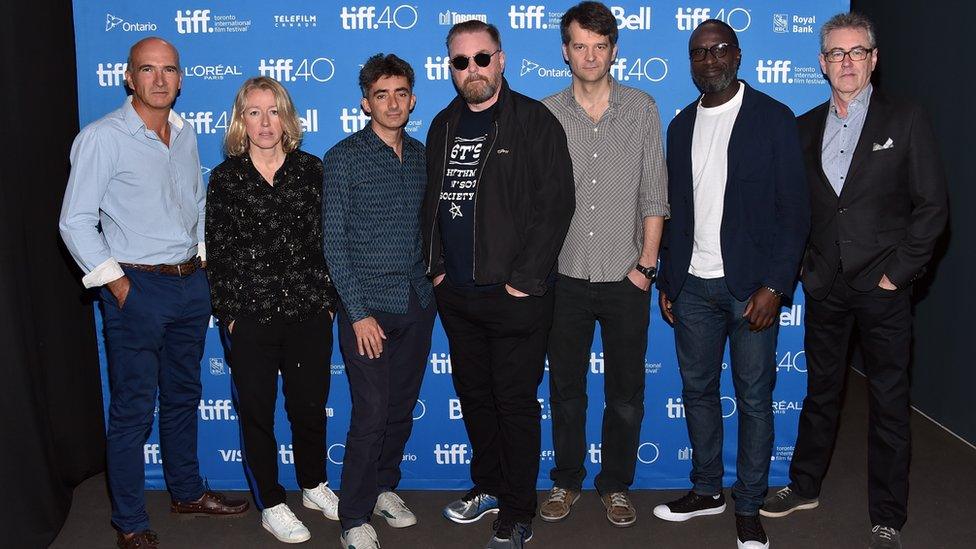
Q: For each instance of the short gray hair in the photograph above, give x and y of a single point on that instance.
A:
(851, 20)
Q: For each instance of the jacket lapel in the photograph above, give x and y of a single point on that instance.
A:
(816, 148)
(877, 113)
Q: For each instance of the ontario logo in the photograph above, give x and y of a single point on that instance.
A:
(112, 22)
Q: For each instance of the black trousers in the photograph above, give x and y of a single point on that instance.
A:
(884, 322)
(384, 392)
(498, 351)
(623, 312)
(301, 352)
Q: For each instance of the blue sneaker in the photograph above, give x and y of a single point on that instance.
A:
(509, 535)
(471, 507)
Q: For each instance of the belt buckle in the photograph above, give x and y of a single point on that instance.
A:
(179, 270)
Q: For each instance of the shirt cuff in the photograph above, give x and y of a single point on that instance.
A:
(202, 251)
(104, 273)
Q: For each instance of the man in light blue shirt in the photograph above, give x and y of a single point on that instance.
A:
(132, 218)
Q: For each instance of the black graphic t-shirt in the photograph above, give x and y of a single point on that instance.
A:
(456, 210)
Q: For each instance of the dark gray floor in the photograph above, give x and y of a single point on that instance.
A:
(942, 510)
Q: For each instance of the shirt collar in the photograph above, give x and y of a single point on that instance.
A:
(134, 122)
(860, 101)
(614, 101)
(374, 142)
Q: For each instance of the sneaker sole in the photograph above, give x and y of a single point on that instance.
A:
(668, 515)
(285, 540)
(801, 507)
(562, 518)
(309, 504)
(394, 522)
(742, 545)
(470, 520)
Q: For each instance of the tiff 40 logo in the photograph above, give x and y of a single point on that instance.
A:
(208, 122)
(647, 453)
(652, 69)
(402, 17)
(689, 18)
(795, 362)
(320, 69)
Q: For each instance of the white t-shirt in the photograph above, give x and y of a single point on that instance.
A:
(709, 168)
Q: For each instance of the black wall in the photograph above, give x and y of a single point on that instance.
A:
(925, 54)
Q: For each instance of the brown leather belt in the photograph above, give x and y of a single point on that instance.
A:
(183, 269)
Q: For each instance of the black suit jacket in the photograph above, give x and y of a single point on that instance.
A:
(891, 208)
(766, 215)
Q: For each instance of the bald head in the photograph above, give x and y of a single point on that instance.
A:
(148, 43)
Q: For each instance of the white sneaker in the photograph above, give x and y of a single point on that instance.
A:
(394, 510)
(322, 498)
(360, 537)
(284, 525)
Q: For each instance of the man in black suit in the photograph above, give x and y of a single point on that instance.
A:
(879, 203)
(739, 220)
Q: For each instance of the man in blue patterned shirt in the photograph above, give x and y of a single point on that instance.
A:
(374, 186)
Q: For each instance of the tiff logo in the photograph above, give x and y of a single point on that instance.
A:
(676, 409)
(773, 72)
(151, 453)
(286, 454)
(193, 21)
(354, 120)
(358, 18)
(689, 18)
(110, 74)
(437, 67)
(440, 363)
(202, 121)
(527, 17)
(596, 363)
(596, 453)
(279, 69)
(451, 454)
(216, 410)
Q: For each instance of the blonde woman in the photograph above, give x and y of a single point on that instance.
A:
(273, 296)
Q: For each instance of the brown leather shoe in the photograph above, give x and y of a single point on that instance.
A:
(211, 504)
(620, 511)
(558, 504)
(147, 539)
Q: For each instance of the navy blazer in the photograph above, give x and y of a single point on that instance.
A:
(766, 216)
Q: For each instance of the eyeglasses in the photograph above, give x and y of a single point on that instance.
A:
(837, 55)
(460, 62)
(718, 51)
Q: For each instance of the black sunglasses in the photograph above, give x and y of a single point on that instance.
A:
(460, 62)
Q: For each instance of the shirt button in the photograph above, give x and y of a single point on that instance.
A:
(594, 181)
(591, 233)
(596, 129)
(592, 207)
(594, 155)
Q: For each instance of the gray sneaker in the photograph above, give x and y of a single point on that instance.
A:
(509, 535)
(471, 507)
(884, 537)
(784, 502)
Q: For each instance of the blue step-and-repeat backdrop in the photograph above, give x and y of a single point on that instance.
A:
(316, 48)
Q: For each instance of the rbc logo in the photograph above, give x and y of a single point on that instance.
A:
(217, 366)
(689, 18)
(527, 17)
(781, 23)
(437, 67)
(193, 21)
(451, 454)
(110, 74)
(354, 120)
(773, 72)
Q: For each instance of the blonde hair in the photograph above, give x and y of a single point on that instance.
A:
(236, 142)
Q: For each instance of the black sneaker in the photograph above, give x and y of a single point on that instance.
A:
(509, 535)
(750, 533)
(884, 537)
(691, 505)
(784, 502)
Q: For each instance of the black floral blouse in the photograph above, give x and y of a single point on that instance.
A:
(264, 242)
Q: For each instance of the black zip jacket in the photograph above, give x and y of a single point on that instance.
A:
(524, 199)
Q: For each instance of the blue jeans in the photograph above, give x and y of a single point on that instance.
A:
(705, 314)
(154, 343)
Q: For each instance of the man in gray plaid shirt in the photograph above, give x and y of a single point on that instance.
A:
(607, 263)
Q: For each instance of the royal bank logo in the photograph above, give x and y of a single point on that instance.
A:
(112, 22)
(110, 74)
(217, 366)
(295, 20)
(781, 22)
(199, 21)
(770, 71)
(402, 17)
(437, 67)
(450, 18)
(650, 69)
(319, 69)
(798, 24)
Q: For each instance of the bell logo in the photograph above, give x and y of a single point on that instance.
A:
(773, 72)
(151, 453)
(454, 409)
(792, 316)
(110, 74)
(440, 363)
(527, 17)
(451, 454)
(638, 21)
(193, 21)
(437, 67)
(689, 18)
(310, 122)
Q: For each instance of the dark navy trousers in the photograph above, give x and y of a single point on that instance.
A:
(154, 344)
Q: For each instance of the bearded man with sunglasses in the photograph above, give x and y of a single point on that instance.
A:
(878, 197)
(739, 219)
(498, 204)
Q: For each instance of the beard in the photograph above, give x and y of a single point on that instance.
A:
(474, 94)
(717, 83)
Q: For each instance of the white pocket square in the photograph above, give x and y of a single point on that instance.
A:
(887, 145)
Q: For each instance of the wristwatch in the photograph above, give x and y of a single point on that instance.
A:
(649, 272)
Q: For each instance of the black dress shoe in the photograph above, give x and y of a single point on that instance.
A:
(147, 539)
(210, 504)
